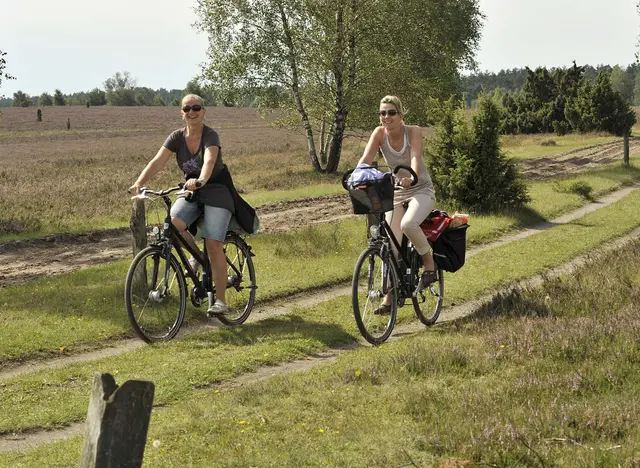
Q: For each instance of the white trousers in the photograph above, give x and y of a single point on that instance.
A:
(407, 220)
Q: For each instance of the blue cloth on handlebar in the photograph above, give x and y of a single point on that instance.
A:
(364, 173)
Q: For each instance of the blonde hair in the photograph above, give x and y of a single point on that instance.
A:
(193, 96)
(395, 101)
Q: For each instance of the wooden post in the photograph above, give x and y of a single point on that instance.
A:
(39, 115)
(626, 149)
(68, 124)
(138, 225)
(117, 423)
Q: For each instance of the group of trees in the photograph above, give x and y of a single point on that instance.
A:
(624, 80)
(563, 100)
(466, 162)
(119, 90)
(327, 63)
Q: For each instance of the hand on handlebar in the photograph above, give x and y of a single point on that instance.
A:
(404, 182)
(193, 184)
(135, 189)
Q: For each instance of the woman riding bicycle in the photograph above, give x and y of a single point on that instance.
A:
(402, 144)
(199, 156)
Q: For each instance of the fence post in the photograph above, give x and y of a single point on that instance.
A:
(117, 423)
(626, 149)
(138, 226)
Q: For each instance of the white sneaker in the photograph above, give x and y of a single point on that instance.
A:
(218, 308)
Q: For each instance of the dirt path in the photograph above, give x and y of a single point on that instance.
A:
(30, 440)
(576, 161)
(23, 261)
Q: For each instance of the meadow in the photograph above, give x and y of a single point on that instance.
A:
(540, 376)
(53, 179)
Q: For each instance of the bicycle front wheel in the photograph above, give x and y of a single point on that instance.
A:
(156, 295)
(373, 279)
(428, 303)
(241, 281)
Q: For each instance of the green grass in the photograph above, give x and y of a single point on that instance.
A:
(540, 377)
(537, 146)
(86, 308)
(262, 198)
(204, 360)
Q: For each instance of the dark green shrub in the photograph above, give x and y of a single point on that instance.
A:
(467, 164)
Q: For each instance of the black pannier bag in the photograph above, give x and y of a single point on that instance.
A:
(373, 196)
(450, 247)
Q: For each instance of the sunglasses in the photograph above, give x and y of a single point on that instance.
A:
(390, 113)
(196, 108)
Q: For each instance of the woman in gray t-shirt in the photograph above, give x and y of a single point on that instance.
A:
(199, 156)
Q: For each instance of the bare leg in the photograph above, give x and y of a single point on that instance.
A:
(215, 250)
(182, 227)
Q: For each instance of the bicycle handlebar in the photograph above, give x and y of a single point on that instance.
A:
(144, 191)
(413, 174)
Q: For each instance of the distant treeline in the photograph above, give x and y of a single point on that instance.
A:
(119, 90)
(624, 80)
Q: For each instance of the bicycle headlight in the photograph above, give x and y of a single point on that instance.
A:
(374, 231)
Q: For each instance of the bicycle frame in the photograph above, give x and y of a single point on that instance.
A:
(170, 232)
(400, 264)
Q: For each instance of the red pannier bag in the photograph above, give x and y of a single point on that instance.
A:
(435, 224)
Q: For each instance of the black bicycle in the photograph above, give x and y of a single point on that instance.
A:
(379, 274)
(156, 287)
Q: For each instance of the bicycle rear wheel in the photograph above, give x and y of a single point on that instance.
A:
(155, 295)
(373, 279)
(428, 303)
(241, 281)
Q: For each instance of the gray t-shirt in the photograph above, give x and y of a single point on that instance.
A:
(191, 163)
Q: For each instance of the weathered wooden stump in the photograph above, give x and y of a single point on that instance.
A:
(117, 423)
(626, 149)
(138, 225)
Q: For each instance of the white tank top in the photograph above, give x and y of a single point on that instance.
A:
(394, 158)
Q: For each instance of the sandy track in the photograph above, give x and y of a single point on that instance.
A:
(25, 260)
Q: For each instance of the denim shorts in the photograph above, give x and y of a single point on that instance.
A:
(216, 220)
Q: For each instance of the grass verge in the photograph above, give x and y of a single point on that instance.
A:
(541, 377)
(200, 362)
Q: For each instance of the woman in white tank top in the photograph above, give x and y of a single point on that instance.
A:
(402, 144)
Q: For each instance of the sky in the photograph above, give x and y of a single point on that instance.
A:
(75, 45)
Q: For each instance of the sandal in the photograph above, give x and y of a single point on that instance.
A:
(384, 309)
(428, 277)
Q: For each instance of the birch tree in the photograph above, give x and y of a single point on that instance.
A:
(327, 63)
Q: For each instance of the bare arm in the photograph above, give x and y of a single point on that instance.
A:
(415, 141)
(155, 165)
(373, 145)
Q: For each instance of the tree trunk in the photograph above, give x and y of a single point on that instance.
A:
(323, 147)
(626, 149)
(295, 87)
(340, 113)
(336, 142)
